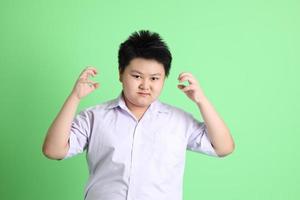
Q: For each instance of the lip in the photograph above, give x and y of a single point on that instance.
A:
(141, 93)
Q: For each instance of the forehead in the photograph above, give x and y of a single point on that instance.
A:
(145, 66)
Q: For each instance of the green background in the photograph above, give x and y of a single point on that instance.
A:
(245, 55)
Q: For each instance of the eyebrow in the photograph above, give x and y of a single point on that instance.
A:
(142, 73)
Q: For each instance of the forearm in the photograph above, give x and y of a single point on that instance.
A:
(218, 132)
(56, 142)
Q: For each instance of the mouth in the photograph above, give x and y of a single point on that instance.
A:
(143, 94)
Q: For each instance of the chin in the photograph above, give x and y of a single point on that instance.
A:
(142, 104)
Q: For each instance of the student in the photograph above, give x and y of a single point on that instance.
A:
(135, 144)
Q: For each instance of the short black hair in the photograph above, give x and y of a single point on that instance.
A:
(144, 44)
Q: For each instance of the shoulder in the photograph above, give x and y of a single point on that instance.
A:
(173, 110)
(98, 109)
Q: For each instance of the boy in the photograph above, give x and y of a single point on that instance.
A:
(136, 144)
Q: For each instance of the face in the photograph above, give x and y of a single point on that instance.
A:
(142, 80)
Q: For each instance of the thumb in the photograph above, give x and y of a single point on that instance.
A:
(96, 85)
(180, 86)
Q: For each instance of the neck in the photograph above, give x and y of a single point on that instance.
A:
(137, 111)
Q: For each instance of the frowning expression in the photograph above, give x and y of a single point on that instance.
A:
(142, 81)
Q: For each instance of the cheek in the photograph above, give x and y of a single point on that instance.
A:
(158, 86)
(130, 84)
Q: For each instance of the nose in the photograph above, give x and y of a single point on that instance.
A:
(144, 85)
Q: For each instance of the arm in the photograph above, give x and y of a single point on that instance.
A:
(56, 143)
(217, 131)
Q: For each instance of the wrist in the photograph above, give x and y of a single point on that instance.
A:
(202, 100)
(74, 97)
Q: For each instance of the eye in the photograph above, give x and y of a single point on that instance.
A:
(154, 78)
(136, 76)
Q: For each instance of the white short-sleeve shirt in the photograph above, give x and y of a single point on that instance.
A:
(136, 160)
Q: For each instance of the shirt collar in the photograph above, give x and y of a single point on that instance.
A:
(120, 102)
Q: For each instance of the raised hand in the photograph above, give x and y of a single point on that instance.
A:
(83, 85)
(193, 90)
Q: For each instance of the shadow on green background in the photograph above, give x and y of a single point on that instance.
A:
(245, 55)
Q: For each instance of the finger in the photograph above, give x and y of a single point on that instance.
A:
(188, 78)
(187, 88)
(95, 85)
(181, 86)
(88, 71)
(184, 74)
(92, 84)
(89, 68)
(92, 68)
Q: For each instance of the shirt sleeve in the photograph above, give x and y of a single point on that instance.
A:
(198, 140)
(79, 134)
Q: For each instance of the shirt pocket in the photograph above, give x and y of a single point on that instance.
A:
(170, 149)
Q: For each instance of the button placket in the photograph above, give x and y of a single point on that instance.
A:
(132, 165)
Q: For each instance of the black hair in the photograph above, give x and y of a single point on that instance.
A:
(147, 45)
